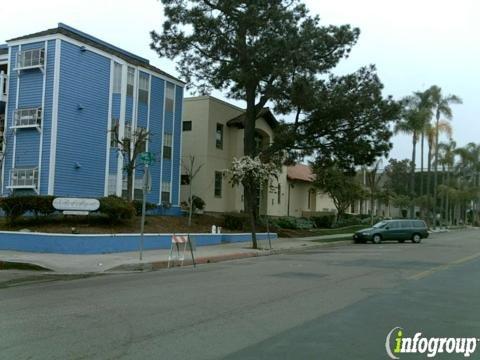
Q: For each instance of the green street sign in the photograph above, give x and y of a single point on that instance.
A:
(147, 158)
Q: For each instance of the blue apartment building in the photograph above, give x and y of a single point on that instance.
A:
(63, 95)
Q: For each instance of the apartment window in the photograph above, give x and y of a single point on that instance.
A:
(187, 126)
(31, 58)
(26, 178)
(167, 146)
(219, 136)
(114, 133)
(218, 184)
(165, 192)
(143, 88)
(130, 81)
(117, 78)
(169, 97)
(185, 180)
(279, 193)
(28, 117)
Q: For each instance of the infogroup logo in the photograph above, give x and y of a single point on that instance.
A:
(397, 343)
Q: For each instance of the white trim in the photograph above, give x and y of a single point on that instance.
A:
(17, 96)
(134, 122)
(94, 50)
(121, 129)
(161, 142)
(173, 141)
(4, 144)
(180, 128)
(40, 150)
(53, 137)
(109, 129)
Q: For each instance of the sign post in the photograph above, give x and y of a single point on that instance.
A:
(147, 159)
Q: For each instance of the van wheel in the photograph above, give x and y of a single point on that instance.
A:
(376, 239)
(416, 238)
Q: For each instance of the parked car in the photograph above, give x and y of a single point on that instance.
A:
(400, 230)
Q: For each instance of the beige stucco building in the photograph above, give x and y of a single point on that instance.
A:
(213, 134)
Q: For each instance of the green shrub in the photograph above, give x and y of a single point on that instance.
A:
(293, 223)
(198, 203)
(235, 221)
(137, 204)
(13, 207)
(42, 205)
(323, 221)
(348, 220)
(16, 206)
(116, 209)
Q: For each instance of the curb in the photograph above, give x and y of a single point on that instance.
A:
(163, 264)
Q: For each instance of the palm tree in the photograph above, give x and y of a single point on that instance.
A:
(469, 167)
(431, 134)
(412, 123)
(441, 107)
(425, 102)
(447, 154)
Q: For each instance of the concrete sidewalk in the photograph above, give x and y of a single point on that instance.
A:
(155, 259)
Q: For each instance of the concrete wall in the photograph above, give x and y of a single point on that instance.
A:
(101, 244)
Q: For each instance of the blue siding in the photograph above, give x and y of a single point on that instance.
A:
(26, 154)
(82, 134)
(155, 144)
(129, 109)
(177, 145)
(47, 118)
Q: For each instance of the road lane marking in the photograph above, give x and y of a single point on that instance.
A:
(446, 266)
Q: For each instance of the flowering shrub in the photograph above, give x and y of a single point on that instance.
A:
(247, 168)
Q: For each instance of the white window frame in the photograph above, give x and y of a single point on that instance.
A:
(21, 63)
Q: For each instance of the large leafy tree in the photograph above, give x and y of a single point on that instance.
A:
(255, 50)
(346, 120)
(342, 186)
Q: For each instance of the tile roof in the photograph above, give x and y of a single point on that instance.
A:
(265, 113)
(300, 172)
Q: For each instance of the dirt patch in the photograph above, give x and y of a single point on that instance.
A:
(99, 225)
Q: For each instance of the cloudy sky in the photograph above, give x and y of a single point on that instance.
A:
(414, 43)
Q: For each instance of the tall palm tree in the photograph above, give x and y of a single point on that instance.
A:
(447, 152)
(425, 102)
(431, 134)
(469, 167)
(441, 107)
(414, 117)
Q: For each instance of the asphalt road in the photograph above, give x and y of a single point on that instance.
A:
(335, 302)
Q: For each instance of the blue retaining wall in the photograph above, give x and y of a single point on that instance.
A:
(102, 244)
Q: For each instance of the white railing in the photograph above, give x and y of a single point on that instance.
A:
(3, 86)
(24, 178)
(26, 118)
(30, 59)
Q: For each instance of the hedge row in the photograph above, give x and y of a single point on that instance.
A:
(115, 208)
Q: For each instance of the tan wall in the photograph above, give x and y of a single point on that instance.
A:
(205, 112)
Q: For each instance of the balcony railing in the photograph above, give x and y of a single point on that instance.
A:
(27, 118)
(24, 178)
(31, 59)
(3, 86)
